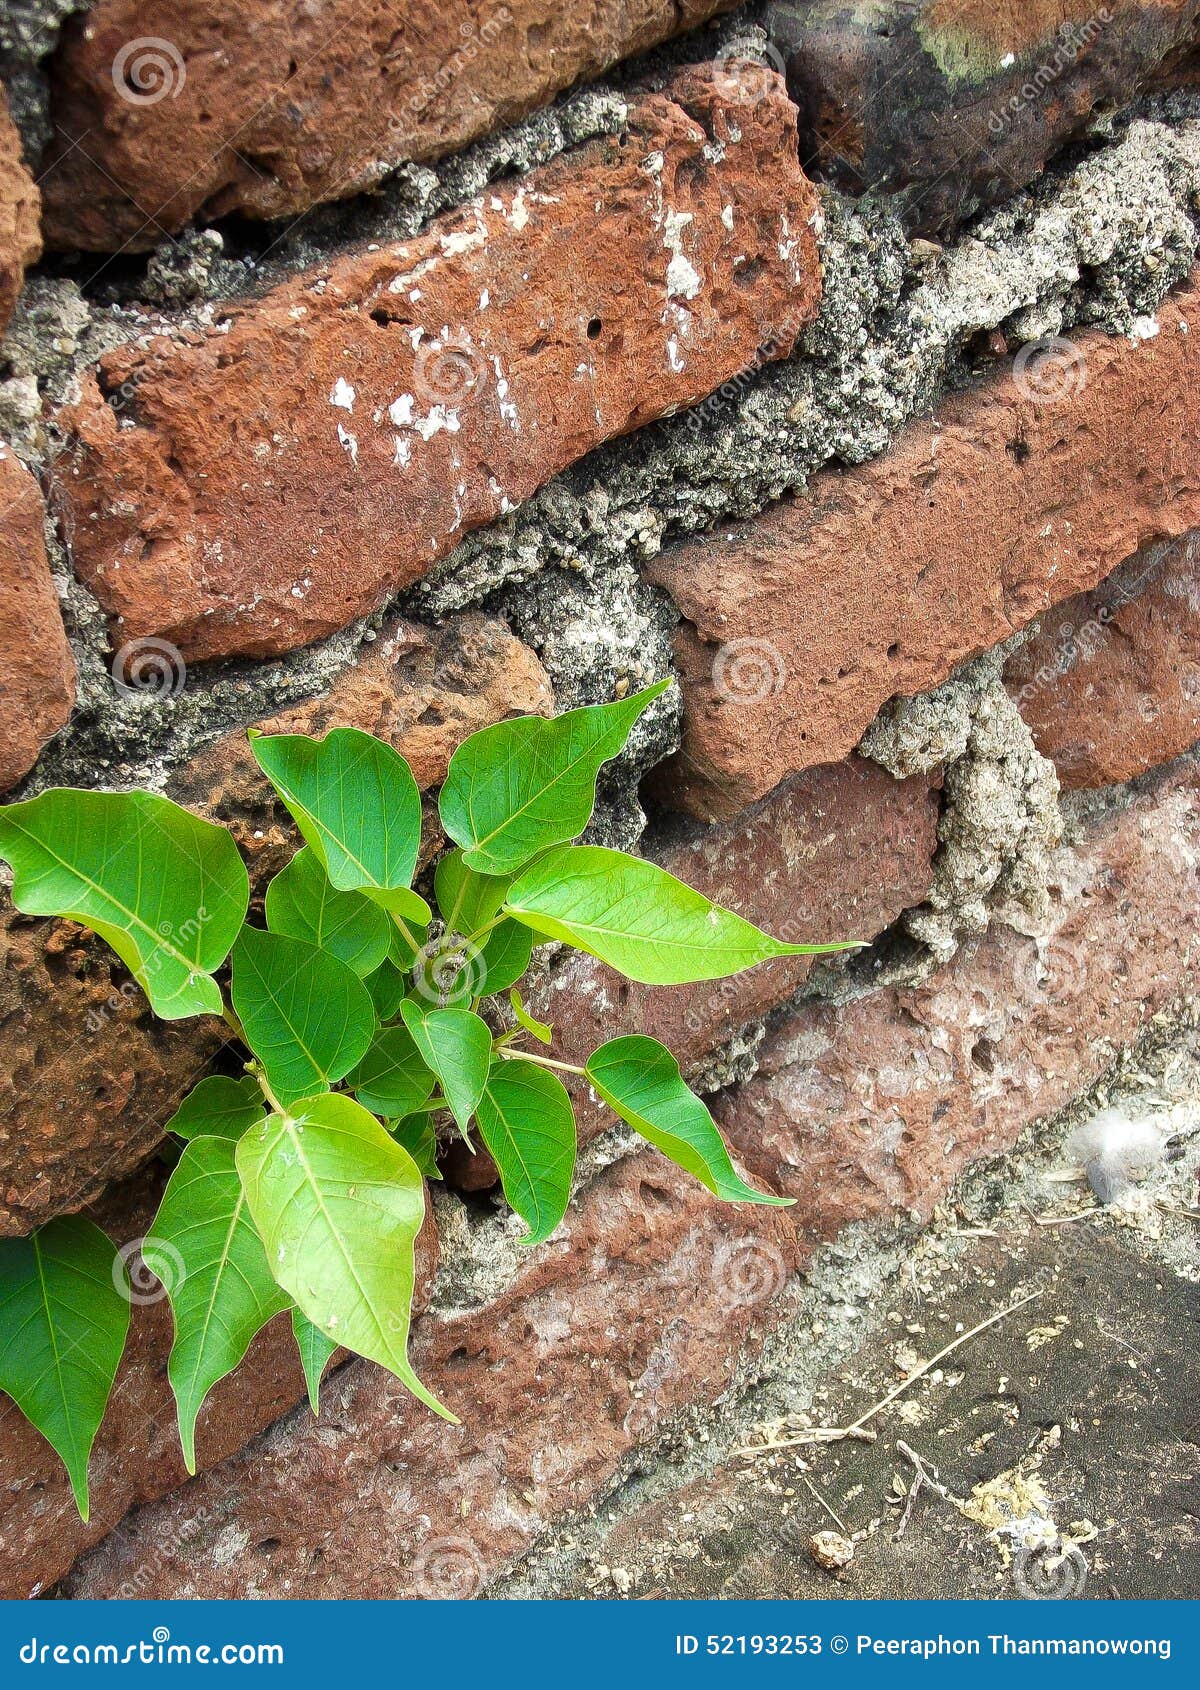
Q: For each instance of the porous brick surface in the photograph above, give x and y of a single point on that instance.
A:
(1110, 685)
(950, 105)
(164, 109)
(321, 448)
(20, 215)
(1019, 492)
(37, 671)
(651, 1294)
(137, 1455)
(88, 1077)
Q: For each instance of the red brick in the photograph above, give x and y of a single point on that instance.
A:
(137, 1455)
(872, 1107)
(37, 671)
(20, 215)
(956, 104)
(653, 1297)
(1110, 685)
(802, 623)
(265, 109)
(250, 509)
(836, 853)
(87, 1075)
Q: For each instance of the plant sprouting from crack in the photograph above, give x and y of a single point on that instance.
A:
(371, 1031)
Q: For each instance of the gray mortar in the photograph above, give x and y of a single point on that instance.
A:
(850, 1286)
(29, 31)
(1000, 816)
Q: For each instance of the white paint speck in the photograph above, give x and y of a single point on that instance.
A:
(349, 442)
(342, 394)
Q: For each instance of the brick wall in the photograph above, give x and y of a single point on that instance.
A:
(446, 363)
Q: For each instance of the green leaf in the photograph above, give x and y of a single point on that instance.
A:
(505, 957)
(638, 918)
(392, 1079)
(640, 1079)
(166, 890)
(526, 1120)
(541, 1030)
(64, 1317)
(204, 1249)
(302, 904)
(315, 1350)
(219, 1108)
(307, 1017)
(338, 1205)
(356, 803)
(419, 1137)
(517, 787)
(387, 987)
(467, 900)
(457, 1045)
(407, 945)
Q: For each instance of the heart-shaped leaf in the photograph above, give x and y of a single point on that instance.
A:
(315, 1350)
(457, 1045)
(307, 1017)
(467, 900)
(527, 1123)
(518, 787)
(205, 1250)
(338, 1205)
(388, 988)
(638, 918)
(505, 958)
(64, 1317)
(302, 904)
(356, 803)
(166, 890)
(219, 1107)
(392, 1079)
(640, 1079)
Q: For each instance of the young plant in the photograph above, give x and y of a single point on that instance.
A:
(372, 1029)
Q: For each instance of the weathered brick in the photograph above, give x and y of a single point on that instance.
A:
(836, 853)
(652, 1296)
(88, 1077)
(1110, 684)
(952, 105)
(1021, 491)
(37, 671)
(20, 215)
(137, 1455)
(321, 448)
(169, 109)
(873, 1106)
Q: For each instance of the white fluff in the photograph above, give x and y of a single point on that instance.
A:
(1119, 1146)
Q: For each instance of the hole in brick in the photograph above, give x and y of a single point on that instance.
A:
(380, 317)
(1018, 450)
(538, 347)
(593, 329)
(268, 1546)
(983, 1056)
(893, 652)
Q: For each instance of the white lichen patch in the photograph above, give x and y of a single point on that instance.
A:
(342, 394)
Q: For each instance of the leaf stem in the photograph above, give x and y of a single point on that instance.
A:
(404, 931)
(542, 1061)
